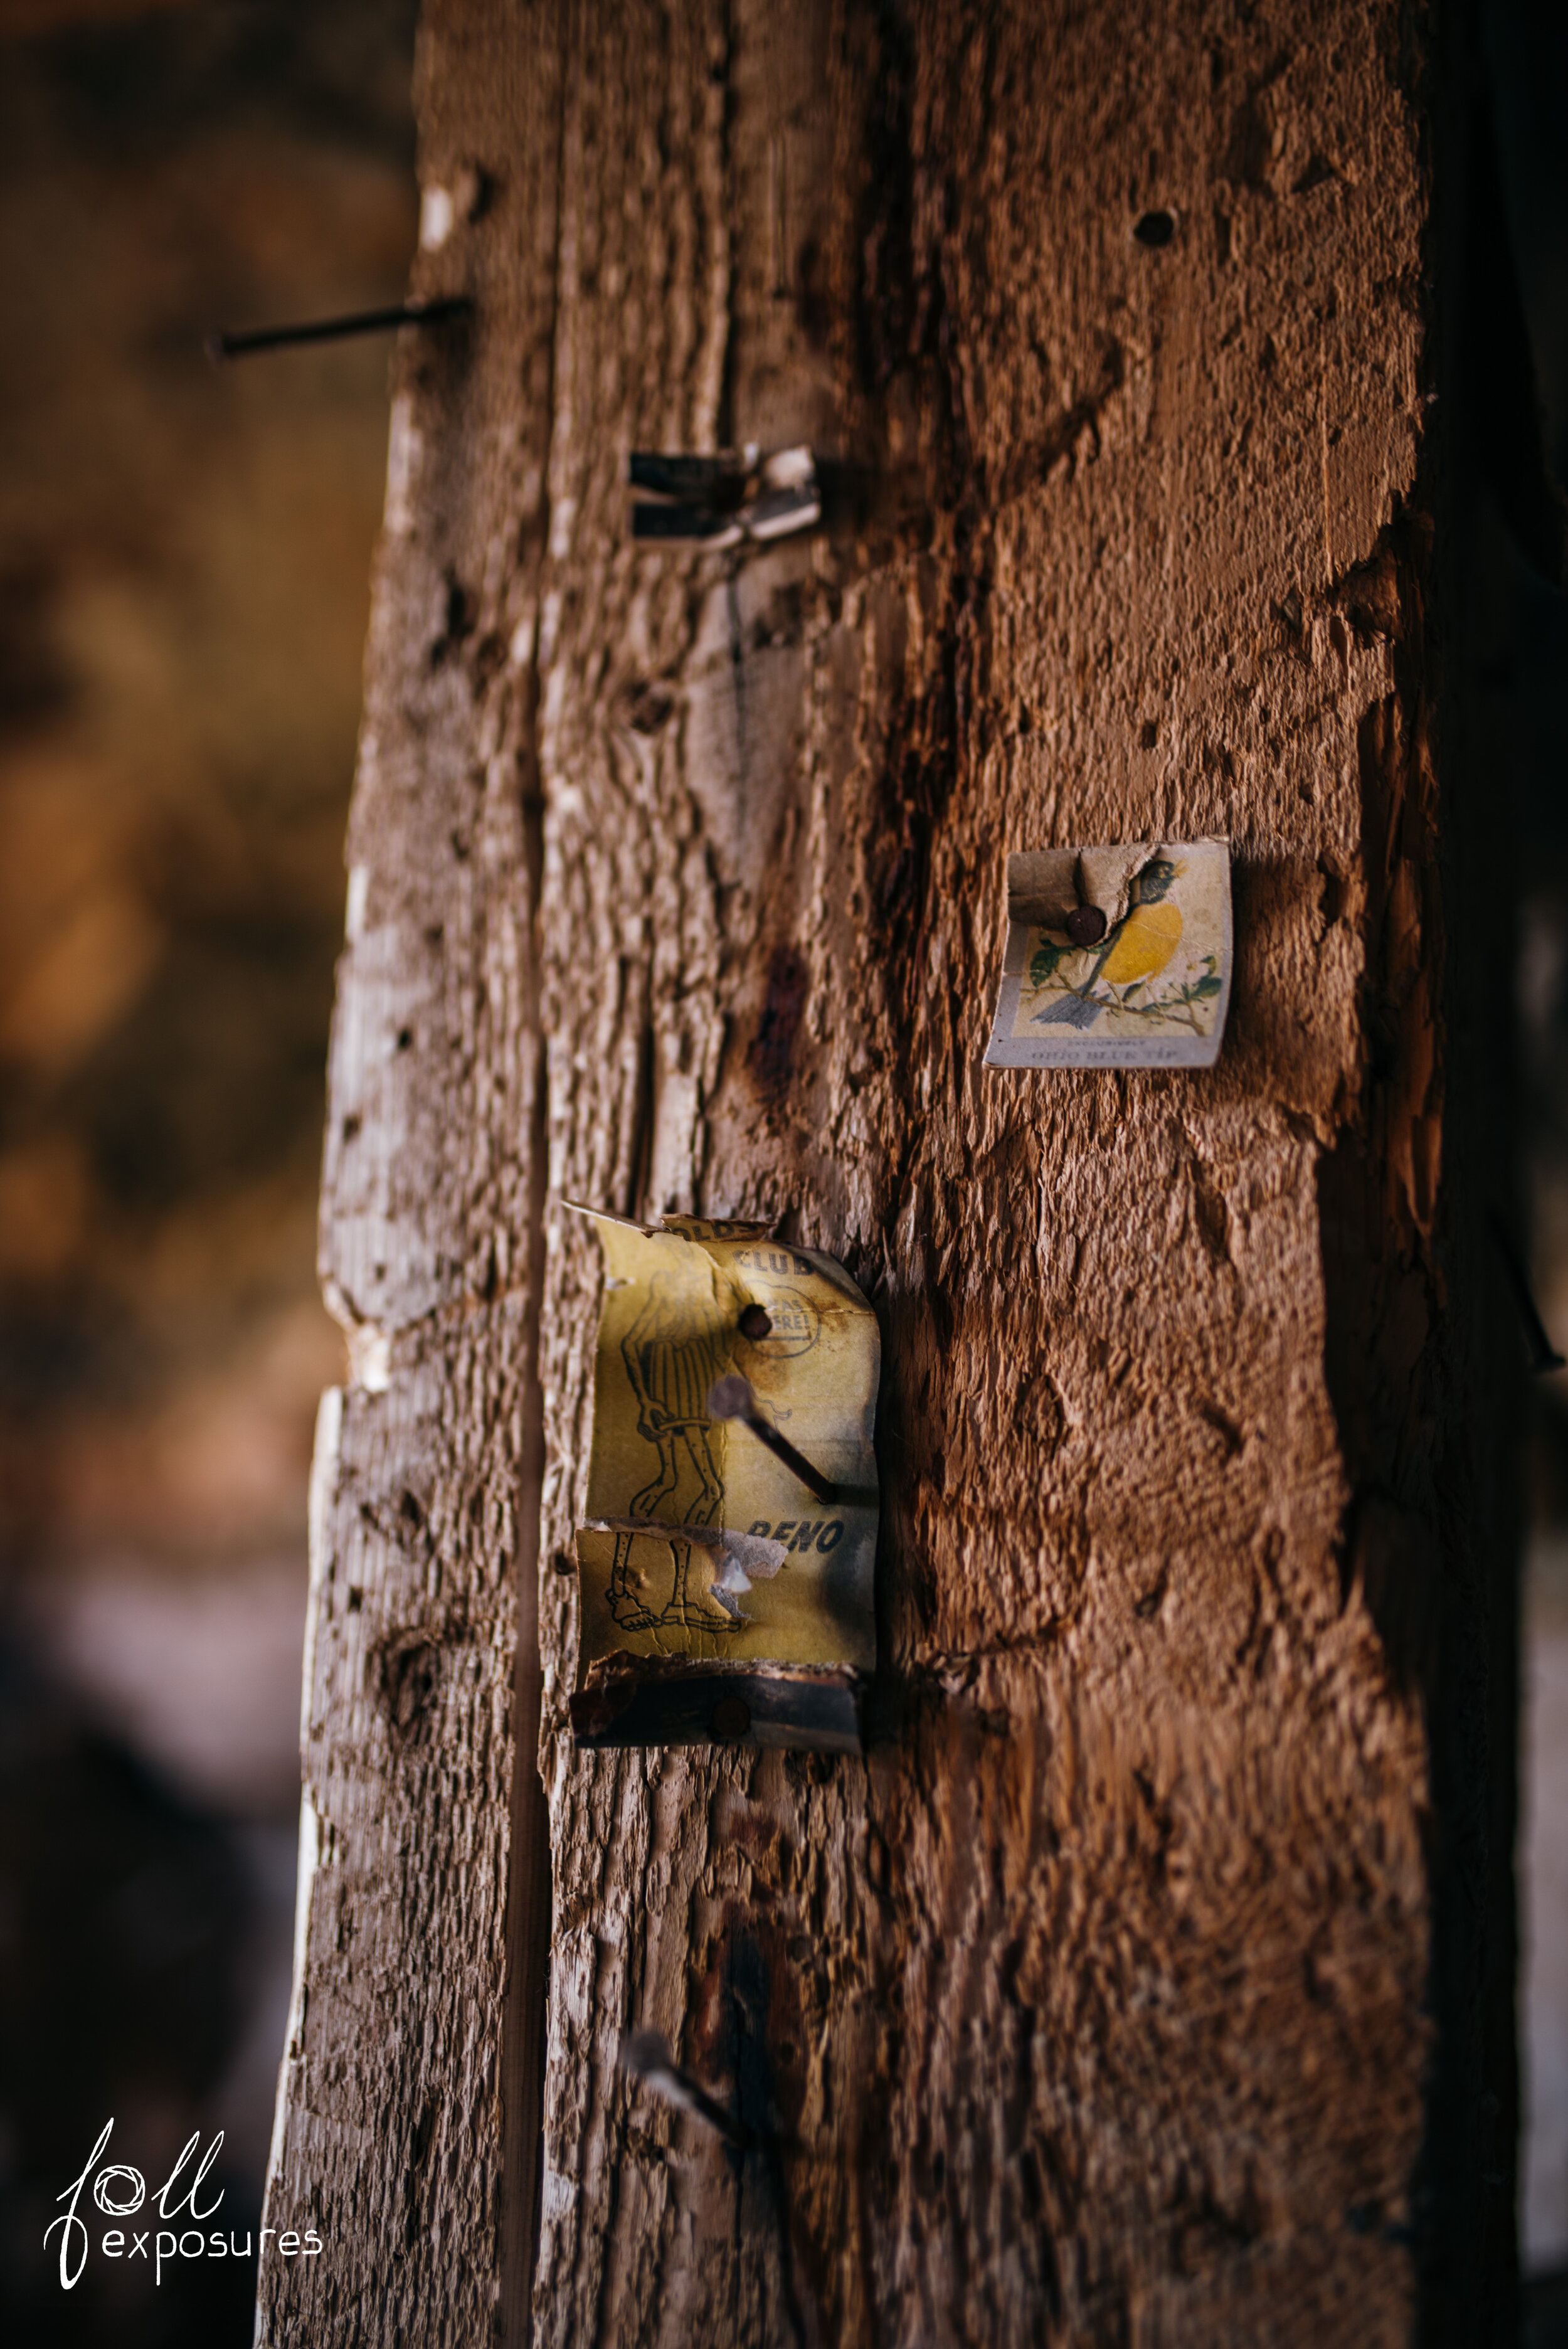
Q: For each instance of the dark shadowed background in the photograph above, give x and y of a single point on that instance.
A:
(183, 564)
(184, 587)
(1517, 658)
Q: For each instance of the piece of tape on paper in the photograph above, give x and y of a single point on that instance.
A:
(705, 1566)
(1152, 985)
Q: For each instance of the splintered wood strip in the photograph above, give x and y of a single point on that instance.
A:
(394, 2104)
(1091, 2003)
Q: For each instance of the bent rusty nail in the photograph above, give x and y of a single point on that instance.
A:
(731, 1398)
(231, 345)
(646, 2056)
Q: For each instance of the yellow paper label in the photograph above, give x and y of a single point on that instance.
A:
(754, 1568)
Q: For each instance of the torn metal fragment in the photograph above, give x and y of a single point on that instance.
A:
(737, 497)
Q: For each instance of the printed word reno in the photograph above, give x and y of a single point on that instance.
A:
(804, 1533)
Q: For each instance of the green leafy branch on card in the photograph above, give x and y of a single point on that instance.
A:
(1080, 1006)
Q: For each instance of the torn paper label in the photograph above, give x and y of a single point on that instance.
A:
(730, 1562)
(1117, 957)
(696, 1541)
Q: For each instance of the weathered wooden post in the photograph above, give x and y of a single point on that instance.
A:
(1142, 1982)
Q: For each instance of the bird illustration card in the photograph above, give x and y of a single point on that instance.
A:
(730, 1519)
(1117, 957)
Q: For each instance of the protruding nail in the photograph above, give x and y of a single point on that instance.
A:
(646, 2056)
(1086, 925)
(731, 1398)
(238, 346)
(755, 1323)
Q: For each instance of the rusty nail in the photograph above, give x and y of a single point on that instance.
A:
(732, 1398)
(1086, 925)
(755, 1323)
(646, 2056)
(231, 345)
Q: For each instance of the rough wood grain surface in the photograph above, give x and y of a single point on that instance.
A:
(1094, 2004)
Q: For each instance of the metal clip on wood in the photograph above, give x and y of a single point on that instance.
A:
(737, 497)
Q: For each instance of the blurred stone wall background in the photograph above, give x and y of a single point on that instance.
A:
(183, 593)
(183, 559)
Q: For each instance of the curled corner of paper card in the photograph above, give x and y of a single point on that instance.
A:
(696, 1229)
(715, 1228)
(1105, 875)
(1042, 886)
(603, 1215)
(1045, 886)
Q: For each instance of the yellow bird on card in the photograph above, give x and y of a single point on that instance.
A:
(1149, 937)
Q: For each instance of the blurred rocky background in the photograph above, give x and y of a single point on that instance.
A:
(183, 587)
(183, 563)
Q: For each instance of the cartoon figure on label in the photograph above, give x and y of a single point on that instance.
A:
(673, 1360)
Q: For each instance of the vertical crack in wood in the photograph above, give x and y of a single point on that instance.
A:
(529, 1900)
(528, 1891)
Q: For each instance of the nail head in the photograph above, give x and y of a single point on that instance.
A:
(1086, 925)
(731, 1718)
(730, 1397)
(755, 1323)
